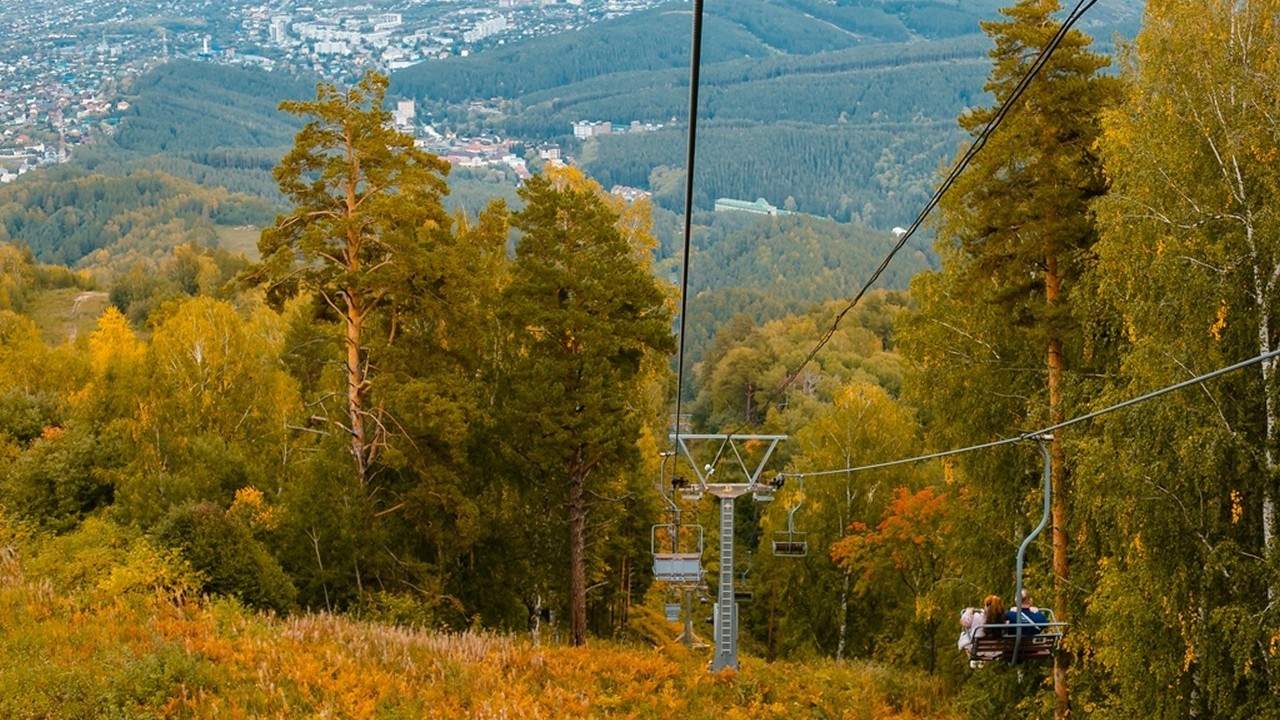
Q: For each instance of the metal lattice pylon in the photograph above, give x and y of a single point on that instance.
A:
(726, 613)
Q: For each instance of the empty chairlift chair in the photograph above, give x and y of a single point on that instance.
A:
(789, 543)
(677, 553)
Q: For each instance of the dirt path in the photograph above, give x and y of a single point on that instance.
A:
(84, 297)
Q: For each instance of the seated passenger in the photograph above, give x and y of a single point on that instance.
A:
(1027, 616)
(973, 624)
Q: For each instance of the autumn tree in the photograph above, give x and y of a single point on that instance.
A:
(1189, 275)
(907, 550)
(588, 324)
(1015, 236)
(813, 600)
(210, 416)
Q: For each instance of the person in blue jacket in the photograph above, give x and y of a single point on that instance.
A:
(1027, 616)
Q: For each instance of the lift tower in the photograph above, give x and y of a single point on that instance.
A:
(726, 613)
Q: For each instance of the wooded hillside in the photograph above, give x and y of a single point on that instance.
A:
(400, 419)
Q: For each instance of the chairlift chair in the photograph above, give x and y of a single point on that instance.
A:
(672, 612)
(1011, 642)
(681, 561)
(676, 564)
(789, 543)
(1008, 643)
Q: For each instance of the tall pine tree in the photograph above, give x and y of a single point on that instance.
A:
(1015, 237)
(366, 213)
(588, 324)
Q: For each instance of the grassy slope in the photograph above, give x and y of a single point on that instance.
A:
(98, 657)
(241, 239)
(63, 314)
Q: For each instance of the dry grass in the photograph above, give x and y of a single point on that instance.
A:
(140, 654)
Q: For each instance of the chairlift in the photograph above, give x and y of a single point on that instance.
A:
(1009, 642)
(789, 543)
(676, 547)
(1016, 642)
(686, 490)
(679, 561)
(672, 612)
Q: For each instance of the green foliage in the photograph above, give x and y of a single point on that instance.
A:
(390, 318)
(816, 605)
(907, 549)
(189, 270)
(997, 690)
(61, 477)
(73, 217)
(198, 429)
(367, 217)
(184, 106)
(105, 563)
(25, 415)
(212, 125)
(768, 268)
(745, 366)
(1185, 282)
(659, 39)
(230, 560)
(587, 322)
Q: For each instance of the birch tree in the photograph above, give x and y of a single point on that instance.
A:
(1188, 272)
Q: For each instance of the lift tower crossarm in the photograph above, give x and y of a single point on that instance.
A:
(704, 473)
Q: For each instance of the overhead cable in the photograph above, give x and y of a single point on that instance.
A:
(695, 60)
(1040, 61)
(1052, 428)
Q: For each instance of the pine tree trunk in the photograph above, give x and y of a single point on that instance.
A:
(355, 314)
(577, 553)
(1057, 481)
(355, 390)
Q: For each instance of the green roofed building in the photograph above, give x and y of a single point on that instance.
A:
(759, 207)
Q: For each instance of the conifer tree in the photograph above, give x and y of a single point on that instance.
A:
(366, 213)
(1016, 235)
(588, 323)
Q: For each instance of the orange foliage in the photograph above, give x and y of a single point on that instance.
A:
(910, 524)
(149, 657)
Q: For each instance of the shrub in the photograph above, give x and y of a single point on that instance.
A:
(224, 551)
(107, 562)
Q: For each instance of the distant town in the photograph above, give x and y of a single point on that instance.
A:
(63, 64)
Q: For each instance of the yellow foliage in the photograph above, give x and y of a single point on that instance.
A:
(218, 660)
(251, 505)
(1220, 322)
(113, 342)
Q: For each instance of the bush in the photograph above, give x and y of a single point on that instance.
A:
(231, 560)
(107, 562)
(61, 478)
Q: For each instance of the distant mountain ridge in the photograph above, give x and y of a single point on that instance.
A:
(847, 107)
